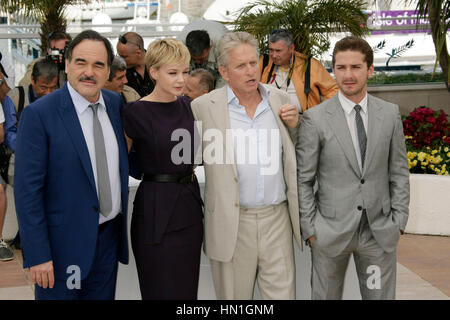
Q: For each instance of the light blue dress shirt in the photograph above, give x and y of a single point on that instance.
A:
(257, 152)
(86, 118)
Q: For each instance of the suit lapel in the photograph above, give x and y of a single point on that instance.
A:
(275, 104)
(114, 122)
(218, 111)
(338, 123)
(374, 121)
(288, 152)
(71, 122)
(121, 144)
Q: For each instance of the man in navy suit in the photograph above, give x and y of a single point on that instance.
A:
(71, 180)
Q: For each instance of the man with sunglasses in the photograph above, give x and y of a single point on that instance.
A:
(131, 48)
(285, 68)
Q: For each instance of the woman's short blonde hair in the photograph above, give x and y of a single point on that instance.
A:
(166, 51)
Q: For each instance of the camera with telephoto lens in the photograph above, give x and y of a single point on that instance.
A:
(57, 57)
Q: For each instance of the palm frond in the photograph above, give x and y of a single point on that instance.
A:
(310, 23)
(49, 13)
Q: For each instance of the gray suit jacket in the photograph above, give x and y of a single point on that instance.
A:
(325, 153)
(221, 180)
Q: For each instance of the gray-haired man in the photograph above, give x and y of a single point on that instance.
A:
(199, 82)
(251, 213)
(117, 80)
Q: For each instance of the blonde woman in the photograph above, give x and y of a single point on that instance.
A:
(166, 228)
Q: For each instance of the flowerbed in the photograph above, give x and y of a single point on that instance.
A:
(427, 134)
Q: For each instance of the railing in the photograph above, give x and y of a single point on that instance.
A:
(25, 45)
(30, 31)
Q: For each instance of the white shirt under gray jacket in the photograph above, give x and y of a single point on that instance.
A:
(355, 210)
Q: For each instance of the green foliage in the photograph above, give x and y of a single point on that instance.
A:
(438, 13)
(310, 22)
(50, 14)
(383, 78)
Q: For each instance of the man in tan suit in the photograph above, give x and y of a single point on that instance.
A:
(251, 204)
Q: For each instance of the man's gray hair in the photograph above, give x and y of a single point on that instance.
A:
(281, 34)
(118, 64)
(205, 78)
(230, 41)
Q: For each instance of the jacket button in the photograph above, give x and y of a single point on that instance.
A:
(359, 208)
(362, 181)
(95, 208)
(236, 205)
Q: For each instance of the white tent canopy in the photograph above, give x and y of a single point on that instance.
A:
(225, 10)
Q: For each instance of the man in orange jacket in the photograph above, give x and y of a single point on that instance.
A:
(285, 68)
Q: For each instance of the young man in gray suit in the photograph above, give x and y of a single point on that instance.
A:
(353, 145)
(251, 209)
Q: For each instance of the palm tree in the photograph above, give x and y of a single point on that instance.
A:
(311, 22)
(50, 14)
(438, 13)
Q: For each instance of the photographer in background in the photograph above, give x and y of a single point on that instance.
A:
(57, 42)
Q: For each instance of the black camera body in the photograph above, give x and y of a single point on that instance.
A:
(57, 57)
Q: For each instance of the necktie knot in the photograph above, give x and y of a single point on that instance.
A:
(94, 107)
(357, 108)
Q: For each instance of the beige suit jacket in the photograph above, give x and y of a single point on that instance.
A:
(221, 180)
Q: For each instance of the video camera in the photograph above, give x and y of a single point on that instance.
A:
(57, 57)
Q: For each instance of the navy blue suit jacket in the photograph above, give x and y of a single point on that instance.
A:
(54, 187)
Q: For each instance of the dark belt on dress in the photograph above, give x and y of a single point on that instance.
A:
(177, 178)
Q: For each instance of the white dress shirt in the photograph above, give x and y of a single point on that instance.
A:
(350, 113)
(258, 185)
(86, 116)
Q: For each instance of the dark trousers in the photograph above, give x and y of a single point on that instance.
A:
(100, 283)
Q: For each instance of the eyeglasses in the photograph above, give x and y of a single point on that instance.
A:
(124, 40)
